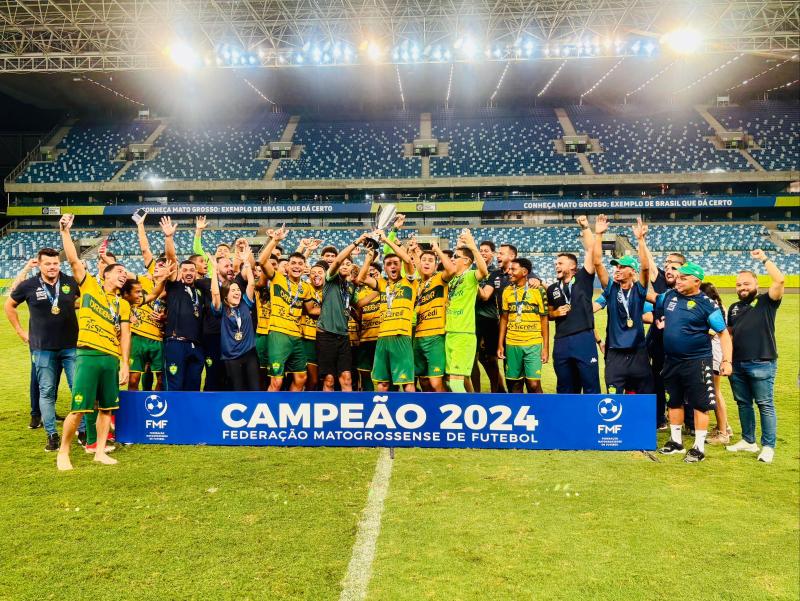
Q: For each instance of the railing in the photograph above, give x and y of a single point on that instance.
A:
(29, 157)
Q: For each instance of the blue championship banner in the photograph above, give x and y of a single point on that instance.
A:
(362, 419)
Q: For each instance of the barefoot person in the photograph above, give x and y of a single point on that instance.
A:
(104, 339)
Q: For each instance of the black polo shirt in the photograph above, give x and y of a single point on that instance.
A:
(753, 328)
(489, 309)
(578, 294)
(182, 300)
(48, 332)
(212, 323)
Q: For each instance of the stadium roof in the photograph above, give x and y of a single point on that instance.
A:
(120, 53)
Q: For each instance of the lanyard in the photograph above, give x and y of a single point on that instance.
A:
(519, 304)
(192, 295)
(237, 318)
(296, 292)
(567, 290)
(53, 299)
(624, 300)
(344, 290)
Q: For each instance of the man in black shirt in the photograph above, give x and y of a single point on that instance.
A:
(751, 321)
(487, 316)
(53, 331)
(570, 306)
(183, 352)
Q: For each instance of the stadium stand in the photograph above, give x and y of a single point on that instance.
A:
(669, 142)
(775, 128)
(211, 152)
(353, 149)
(789, 227)
(494, 142)
(89, 154)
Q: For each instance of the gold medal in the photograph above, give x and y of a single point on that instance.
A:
(238, 336)
(519, 317)
(629, 322)
(196, 312)
(55, 310)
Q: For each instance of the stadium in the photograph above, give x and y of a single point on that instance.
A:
(524, 124)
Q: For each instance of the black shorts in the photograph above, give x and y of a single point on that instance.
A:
(690, 382)
(487, 330)
(628, 370)
(334, 356)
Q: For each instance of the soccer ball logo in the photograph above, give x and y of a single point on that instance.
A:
(610, 410)
(155, 405)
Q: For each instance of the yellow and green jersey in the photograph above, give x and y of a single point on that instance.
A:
(525, 308)
(370, 315)
(100, 317)
(397, 306)
(431, 305)
(286, 305)
(309, 322)
(262, 313)
(146, 324)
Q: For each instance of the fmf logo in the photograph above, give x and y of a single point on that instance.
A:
(156, 407)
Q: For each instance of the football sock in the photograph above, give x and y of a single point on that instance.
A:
(675, 433)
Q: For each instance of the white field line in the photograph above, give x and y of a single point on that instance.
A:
(359, 571)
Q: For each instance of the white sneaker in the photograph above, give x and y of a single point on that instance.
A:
(766, 454)
(743, 445)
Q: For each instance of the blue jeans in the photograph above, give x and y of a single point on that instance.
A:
(755, 381)
(49, 365)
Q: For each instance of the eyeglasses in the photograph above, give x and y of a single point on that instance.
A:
(457, 257)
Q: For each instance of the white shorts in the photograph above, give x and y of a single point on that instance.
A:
(716, 353)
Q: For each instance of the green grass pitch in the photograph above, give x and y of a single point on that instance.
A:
(269, 523)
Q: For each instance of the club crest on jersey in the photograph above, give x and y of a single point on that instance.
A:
(173, 369)
(66, 288)
(691, 304)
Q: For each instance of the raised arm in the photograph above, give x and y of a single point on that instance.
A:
(600, 228)
(448, 267)
(78, 269)
(481, 269)
(776, 275)
(23, 274)
(344, 254)
(266, 252)
(216, 299)
(587, 240)
(161, 282)
(640, 232)
(363, 277)
(247, 272)
(399, 251)
(200, 224)
(144, 243)
(169, 229)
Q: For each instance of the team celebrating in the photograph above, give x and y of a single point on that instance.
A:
(420, 319)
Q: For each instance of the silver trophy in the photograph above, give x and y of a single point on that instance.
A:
(383, 218)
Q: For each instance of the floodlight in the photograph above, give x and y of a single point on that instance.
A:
(183, 56)
(469, 48)
(683, 41)
(374, 52)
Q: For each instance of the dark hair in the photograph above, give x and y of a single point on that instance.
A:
(283, 260)
(569, 256)
(328, 249)
(279, 248)
(297, 255)
(524, 263)
(377, 266)
(710, 290)
(228, 246)
(225, 288)
(321, 264)
(47, 252)
(488, 243)
(110, 267)
(112, 255)
(388, 256)
(428, 252)
(128, 286)
(511, 247)
(187, 262)
(679, 255)
(448, 252)
(752, 273)
(467, 253)
(275, 256)
(193, 257)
